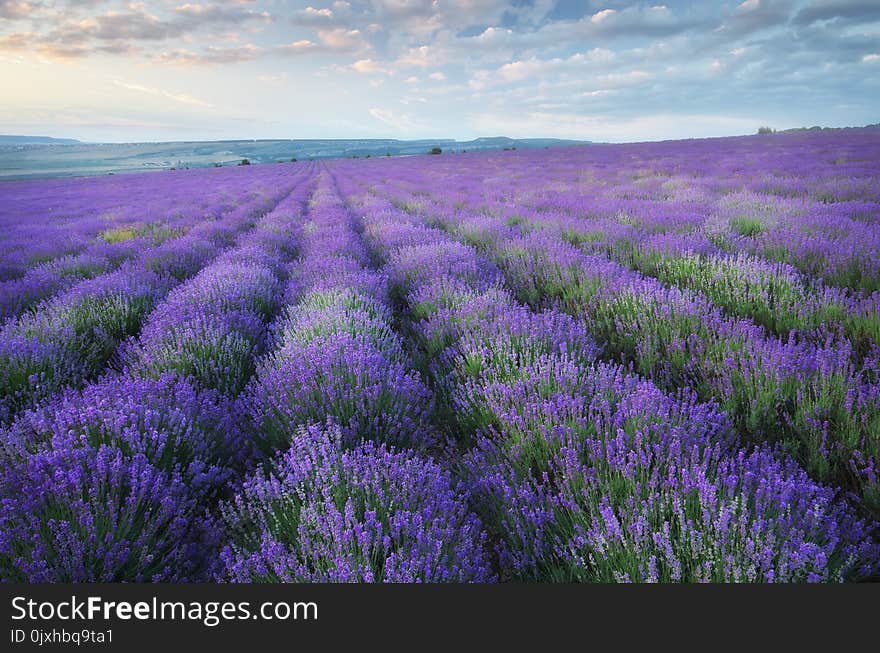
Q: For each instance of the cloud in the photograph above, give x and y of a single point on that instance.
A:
(749, 5)
(302, 46)
(579, 64)
(13, 42)
(336, 41)
(343, 40)
(752, 16)
(422, 56)
(636, 20)
(608, 127)
(182, 98)
(843, 10)
(211, 55)
(400, 122)
(323, 13)
(422, 19)
(602, 27)
(196, 15)
(332, 43)
(322, 17)
(519, 70)
(70, 35)
(601, 16)
(425, 65)
(275, 80)
(369, 66)
(15, 9)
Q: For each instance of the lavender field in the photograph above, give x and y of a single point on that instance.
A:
(653, 362)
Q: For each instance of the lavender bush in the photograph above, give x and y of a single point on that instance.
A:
(324, 514)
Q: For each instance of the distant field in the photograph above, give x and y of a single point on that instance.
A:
(24, 160)
(606, 363)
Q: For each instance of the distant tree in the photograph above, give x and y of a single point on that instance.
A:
(244, 162)
(765, 130)
(367, 156)
(218, 165)
(293, 160)
(436, 150)
(387, 153)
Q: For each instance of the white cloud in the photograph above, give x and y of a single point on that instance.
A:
(579, 64)
(749, 5)
(343, 40)
(400, 122)
(421, 57)
(182, 98)
(519, 70)
(297, 47)
(314, 16)
(275, 79)
(438, 76)
(603, 15)
(311, 11)
(370, 66)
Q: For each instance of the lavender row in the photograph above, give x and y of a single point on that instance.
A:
(674, 238)
(810, 396)
(43, 220)
(128, 230)
(337, 502)
(71, 337)
(585, 473)
(213, 327)
(336, 356)
(121, 476)
(775, 295)
(103, 256)
(820, 215)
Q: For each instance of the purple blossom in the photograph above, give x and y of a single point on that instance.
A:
(324, 514)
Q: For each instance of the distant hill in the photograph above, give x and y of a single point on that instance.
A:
(7, 139)
(27, 156)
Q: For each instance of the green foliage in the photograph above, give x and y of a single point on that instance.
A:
(154, 232)
(747, 226)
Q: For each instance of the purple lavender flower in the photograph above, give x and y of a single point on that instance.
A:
(177, 428)
(80, 514)
(324, 514)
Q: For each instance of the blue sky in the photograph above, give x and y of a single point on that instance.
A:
(598, 70)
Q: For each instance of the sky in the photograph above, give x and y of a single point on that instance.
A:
(105, 70)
